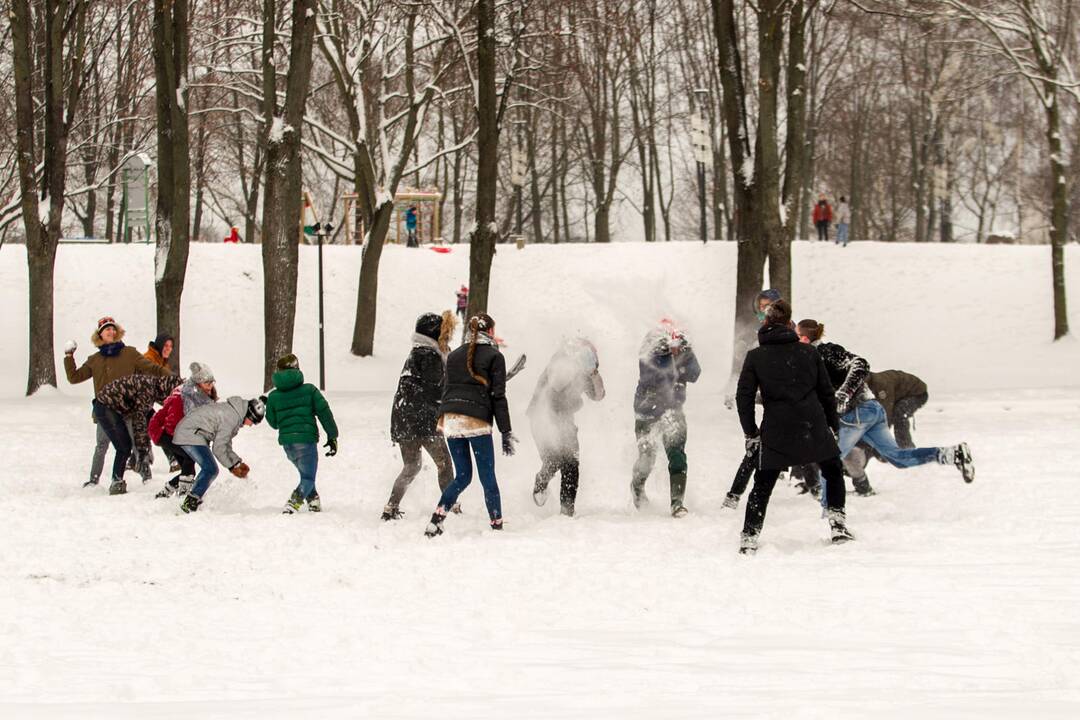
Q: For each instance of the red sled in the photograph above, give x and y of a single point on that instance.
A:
(440, 249)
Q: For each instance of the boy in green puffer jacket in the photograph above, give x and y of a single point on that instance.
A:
(291, 409)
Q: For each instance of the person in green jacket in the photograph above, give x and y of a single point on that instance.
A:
(291, 409)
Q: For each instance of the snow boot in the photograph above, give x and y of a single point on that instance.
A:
(314, 504)
(838, 526)
(92, 482)
(679, 511)
(117, 487)
(862, 487)
(391, 512)
(731, 501)
(540, 493)
(190, 504)
(171, 488)
(497, 524)
(293, 504)
(748, 543)
(434, 527)
(961, 457)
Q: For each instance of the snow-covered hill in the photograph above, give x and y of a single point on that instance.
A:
(955, 600)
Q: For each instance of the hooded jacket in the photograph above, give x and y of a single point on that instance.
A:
(662, 377)
(293, 405)
(110, 362)
(419, 391)
(214, 425)
(184, 398)
(891, 386)
(799, 404)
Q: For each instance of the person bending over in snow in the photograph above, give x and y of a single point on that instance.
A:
(666, 363)
(291, 409)
(863, 418)
(475, 396)
(134, 397)
(798, 422)
(112, 361)
(572, 371)
(416, 408)
(196, 391)
(213, 427)
(901, 394)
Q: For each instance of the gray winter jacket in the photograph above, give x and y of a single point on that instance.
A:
(214, 425)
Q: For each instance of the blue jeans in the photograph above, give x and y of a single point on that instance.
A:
(841, 234)
(208, 467)
(484, 449)
(305, 456)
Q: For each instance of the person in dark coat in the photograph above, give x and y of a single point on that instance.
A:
(416, 408)
(474, 399)
(862, 418)
(901, 394)
(798, 422)
(574, 370)
(666, 363)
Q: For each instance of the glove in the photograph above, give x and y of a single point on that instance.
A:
(508, 442)
(331, 443)
(70, 347)
(753, 445)
(240, 470)
(843, 402)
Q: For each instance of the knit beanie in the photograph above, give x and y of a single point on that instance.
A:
(201, 373)
(288, 362)
(256, 409)
(429, 325)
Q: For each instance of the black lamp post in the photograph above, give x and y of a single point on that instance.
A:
(321, 231)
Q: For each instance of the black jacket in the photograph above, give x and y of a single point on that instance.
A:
(800, 407)
(847, 371)
(662, 379)
(419, 391)
(467, 396)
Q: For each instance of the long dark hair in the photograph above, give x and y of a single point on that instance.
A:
(481, 322)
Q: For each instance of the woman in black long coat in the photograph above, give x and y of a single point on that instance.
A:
(799, 422)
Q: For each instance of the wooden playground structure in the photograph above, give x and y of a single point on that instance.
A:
(428, 227)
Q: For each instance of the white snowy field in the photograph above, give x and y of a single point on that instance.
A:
(956, 600)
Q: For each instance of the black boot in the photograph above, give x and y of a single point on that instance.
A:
(862, 486)
(435, 526)
(118, 486)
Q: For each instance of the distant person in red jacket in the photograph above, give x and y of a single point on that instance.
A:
(822, 217)
(234, 236)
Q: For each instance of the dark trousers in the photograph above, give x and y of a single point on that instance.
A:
(822, 230)
(116, 429)
(484, 449)
(670, 430)
(187, 465)
(744, 473)
(568, 465)
(903, 411)
(765, 481)
(410, 458)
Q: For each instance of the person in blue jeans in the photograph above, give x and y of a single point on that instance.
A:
(862, 418)
(474, 398)
(206, 434)
(291, 409)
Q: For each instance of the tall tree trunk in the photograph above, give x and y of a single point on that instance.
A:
(173, 213)
(483, 237)
(767, 157)
(284, 180)
(1059, 213)
(62, 24)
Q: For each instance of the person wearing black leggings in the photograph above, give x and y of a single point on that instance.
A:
(799, 420)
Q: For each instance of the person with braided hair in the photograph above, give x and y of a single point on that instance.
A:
(473, 399)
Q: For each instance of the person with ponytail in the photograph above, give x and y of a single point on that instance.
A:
(474, 399)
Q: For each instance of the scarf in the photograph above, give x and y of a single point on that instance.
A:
(112, 349)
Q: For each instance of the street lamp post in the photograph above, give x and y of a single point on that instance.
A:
(699, 137)
(321, 231)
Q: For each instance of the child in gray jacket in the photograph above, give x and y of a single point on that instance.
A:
(207, 432)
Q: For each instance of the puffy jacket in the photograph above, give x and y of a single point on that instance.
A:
(891, 386)
(822, 212)
(800, 407)
(214, 425)
(419, 391)
(465, 395)
(167, 418)
(293, 405)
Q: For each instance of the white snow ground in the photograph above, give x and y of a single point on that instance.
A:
(956, 601)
